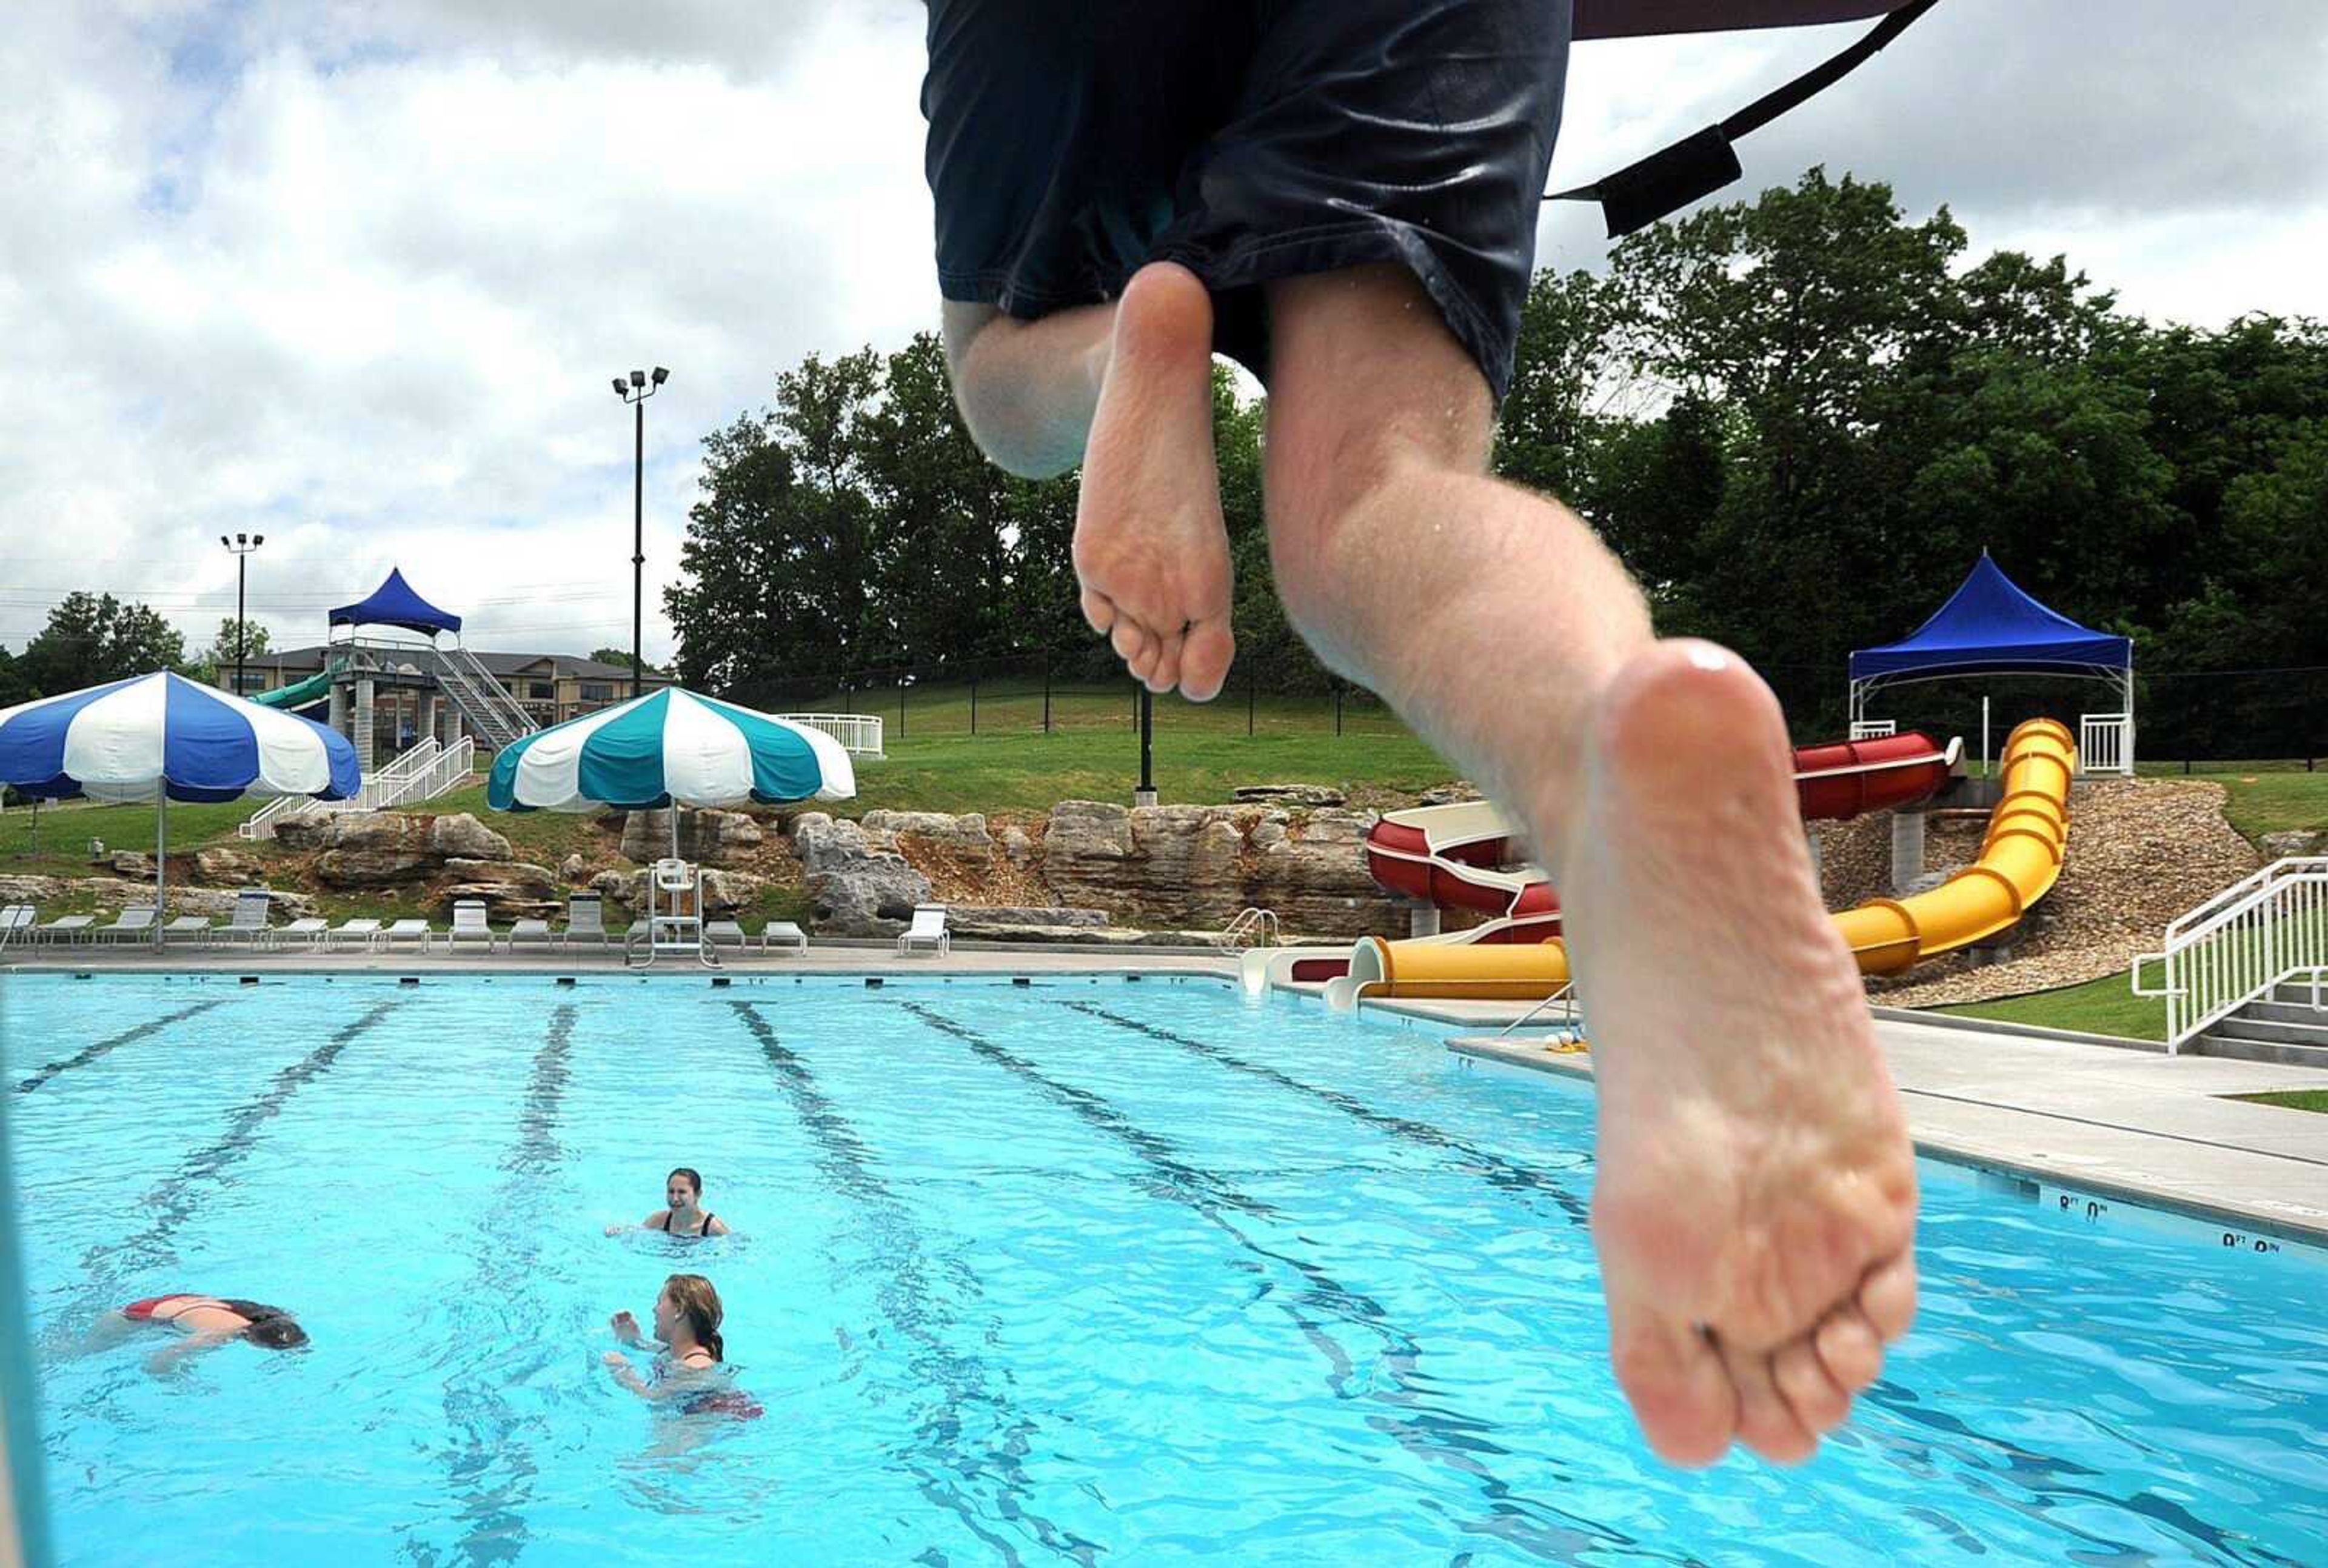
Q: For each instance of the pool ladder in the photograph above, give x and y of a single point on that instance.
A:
(1255, 922)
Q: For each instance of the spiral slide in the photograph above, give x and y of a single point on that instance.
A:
(2020, 858)
(1451, 856)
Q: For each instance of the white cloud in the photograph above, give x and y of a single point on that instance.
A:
(356, 275)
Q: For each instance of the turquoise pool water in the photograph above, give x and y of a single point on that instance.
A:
(1085, 1269)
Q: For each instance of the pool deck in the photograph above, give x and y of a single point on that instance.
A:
(2111, 1120)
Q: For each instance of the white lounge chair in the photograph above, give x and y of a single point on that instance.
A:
(67, 928)
(469, 925)
(364, 929)
(310, 929)
(586, 921)
(407, 930)
(928, 931)
(783, 933)
(536, 931)
(248, 922)
(725, 933)
(136, 922)
(188, 929)
(19, 923)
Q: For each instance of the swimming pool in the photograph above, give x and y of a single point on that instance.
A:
(1083, 1269)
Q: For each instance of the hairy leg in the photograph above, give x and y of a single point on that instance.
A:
(1755, 1207)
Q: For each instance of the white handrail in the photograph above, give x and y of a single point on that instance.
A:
(2238, 947)
(859, 733)
(1565, 996)
(1258, 921)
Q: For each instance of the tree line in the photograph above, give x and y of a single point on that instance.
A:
(1798, 420)
(93, 638)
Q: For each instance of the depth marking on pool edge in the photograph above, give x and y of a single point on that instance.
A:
(1430, 1431)
(489, 1434)
(1495, 1170)
(844, 1159)
(175, 1197)
(88, 1053)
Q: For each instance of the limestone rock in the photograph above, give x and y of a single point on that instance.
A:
(1291, 794)
(708, 837)
(980, 918)
(135, 864)
(859, 888)
(964, 837)
(2282, 846)
(726, 892)
(459, 833)
(1196, 866)
(1016, 847)
(29, 889)
(227, 867)
(377, 851)
(1448, 794)
(570, 868)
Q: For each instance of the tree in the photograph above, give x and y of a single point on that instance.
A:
(14, 685)
(90, 639)
(622, 656)
(220, 654)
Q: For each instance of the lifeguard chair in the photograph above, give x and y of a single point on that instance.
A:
(674, 917)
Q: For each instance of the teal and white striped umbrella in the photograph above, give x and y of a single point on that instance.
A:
(669, 747)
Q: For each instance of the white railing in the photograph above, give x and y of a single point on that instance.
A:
(421, 774)
(2105, 743)
(859, 733)
(2250, 937)
(1261, 924)
(1873, 728)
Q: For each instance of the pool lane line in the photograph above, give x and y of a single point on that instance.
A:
(845, 1160)
(175, 1197)
(489, 1434)
(1498, 1170)
(1424, 1429)
(88, 1053)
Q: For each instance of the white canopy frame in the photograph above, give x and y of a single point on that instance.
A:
(2118, 678)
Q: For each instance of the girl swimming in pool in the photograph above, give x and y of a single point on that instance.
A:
(685, 1215)
(688, 1371)
(207, 1322)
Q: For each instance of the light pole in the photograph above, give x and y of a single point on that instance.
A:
(240, 547)
(635, 390)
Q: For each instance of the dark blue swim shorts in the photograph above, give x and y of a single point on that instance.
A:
(1072, 141)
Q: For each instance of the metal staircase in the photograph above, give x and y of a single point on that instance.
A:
(493, 715)
(424, 773)
(2242, 974)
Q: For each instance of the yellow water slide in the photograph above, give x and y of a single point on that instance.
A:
(2020, 858)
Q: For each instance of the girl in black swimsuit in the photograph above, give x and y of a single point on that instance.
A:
(689, 1372)
(685, 1216)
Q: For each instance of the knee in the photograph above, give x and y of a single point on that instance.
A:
(1000, 412)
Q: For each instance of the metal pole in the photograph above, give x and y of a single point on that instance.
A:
(1249, 685)
(1046, 691)
(901, 709)
(241, 626)
(1983, 736)
(973, 705)
(1146, 743)
(161, 856)
(638, 549)
(1338, 708)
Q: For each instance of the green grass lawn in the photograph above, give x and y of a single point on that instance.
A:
(2264, 798)
(2294, 1099)
(2099, 1007)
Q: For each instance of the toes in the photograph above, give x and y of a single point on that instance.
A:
(1099, 610)
(1765, 1422)
(1888, 1296)
(1671, 1373)
(1132, 642)
(1849, 1348)
(1819, 1402)
(1165, 673)
(1204, 659)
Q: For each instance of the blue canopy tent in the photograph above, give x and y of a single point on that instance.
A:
(394, 604)
(1990, 626)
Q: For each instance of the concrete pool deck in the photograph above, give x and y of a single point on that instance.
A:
(2111, 1119)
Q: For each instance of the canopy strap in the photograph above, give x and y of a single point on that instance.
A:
(1696, 166)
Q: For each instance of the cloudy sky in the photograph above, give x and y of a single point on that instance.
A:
(356, 273)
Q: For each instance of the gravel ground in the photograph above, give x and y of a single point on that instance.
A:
(2142, 852)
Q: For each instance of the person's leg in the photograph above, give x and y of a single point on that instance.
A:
(1124, 389)
(1755, 1205)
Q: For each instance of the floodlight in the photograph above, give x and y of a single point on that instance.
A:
(621, 387)
(661, 375)
(638, 378)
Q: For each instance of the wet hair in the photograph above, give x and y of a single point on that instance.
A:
(271, 1327)
(694, 1178)
(698, 1303)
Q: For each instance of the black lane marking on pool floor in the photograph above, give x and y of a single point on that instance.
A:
(178, 1199)
(1495, 1170)
(489, 1465)
(845, 1160)
(88, 1053)
(1424, 1427)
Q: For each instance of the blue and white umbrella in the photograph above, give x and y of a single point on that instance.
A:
(163, 738)
(669, 747)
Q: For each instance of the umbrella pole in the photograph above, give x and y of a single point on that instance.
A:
(160, 854)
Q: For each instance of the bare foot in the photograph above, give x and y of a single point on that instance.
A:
(1756, 1208)
(1151, 551)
